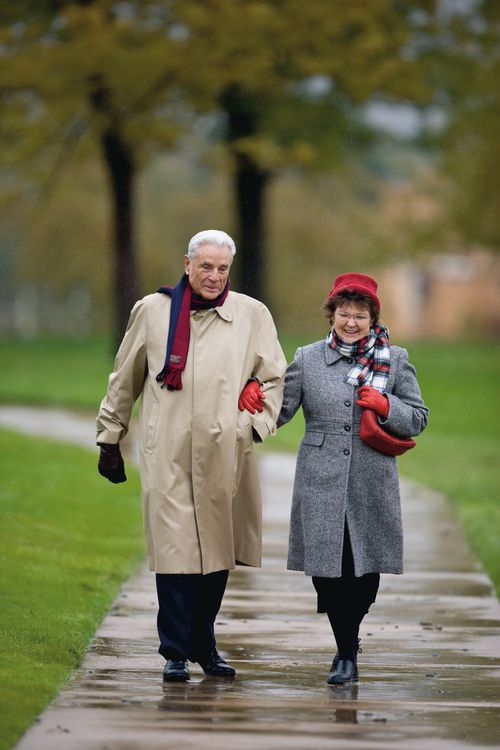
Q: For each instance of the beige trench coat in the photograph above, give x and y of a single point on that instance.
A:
(200, 488)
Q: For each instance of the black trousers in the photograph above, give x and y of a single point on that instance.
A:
(187, 607)
(346, 600)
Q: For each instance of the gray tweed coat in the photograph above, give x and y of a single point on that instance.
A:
(338, 476)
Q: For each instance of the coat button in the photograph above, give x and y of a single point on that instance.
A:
(346, 451)
(347, 402)
(347, 427)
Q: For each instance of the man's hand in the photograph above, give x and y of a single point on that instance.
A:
(111, 464)
(251, 398)
(370, 398)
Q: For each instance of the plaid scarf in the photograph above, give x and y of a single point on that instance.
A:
(372, 354)
(183, 301)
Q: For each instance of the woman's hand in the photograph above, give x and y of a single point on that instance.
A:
(370, 398)
(251, 398)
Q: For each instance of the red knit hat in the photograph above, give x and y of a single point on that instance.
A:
(356, 282)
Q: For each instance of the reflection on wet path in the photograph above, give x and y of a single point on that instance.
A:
(429, 671)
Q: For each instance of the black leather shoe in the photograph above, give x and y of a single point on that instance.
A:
(215, 665)
(336, 658)
(176, 670)
(343, 671)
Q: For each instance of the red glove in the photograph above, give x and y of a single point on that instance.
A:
(251, 398)
(370, 398)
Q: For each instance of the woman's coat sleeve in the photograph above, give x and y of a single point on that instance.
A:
(292, 398)
(407, 412)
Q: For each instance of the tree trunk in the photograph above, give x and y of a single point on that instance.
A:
(120, 168)
(250, 182)
(121, 173)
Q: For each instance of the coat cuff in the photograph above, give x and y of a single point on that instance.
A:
(107, 436)
(262, 428)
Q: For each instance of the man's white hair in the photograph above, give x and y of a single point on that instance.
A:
(210, 237)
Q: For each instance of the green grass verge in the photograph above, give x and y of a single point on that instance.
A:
(68, 540)
(458, 453)
(55, 372)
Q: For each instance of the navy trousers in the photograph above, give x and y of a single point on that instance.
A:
(187, 607)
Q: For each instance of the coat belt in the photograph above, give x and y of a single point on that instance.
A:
(333, 427)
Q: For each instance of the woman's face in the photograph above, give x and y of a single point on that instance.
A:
(352, 321)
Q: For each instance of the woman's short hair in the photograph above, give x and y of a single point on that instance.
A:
(210, 237)
(346, 296)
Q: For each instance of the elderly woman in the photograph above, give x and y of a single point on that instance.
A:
(346, 517)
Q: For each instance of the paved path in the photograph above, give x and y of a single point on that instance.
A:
(429, 671)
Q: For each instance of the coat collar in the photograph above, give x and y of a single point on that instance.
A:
(331, 355)
(226, 311)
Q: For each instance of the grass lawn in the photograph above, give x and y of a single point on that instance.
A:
(55, 372)
(68, 540)
(457, 454)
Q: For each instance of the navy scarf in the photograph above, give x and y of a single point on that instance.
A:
(183, 301)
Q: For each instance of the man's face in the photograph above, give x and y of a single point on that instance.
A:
(208, 270)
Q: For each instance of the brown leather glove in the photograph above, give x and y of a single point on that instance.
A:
(110, 464)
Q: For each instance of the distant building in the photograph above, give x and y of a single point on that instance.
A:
(444, 298)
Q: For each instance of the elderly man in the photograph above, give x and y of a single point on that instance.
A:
(218, 388)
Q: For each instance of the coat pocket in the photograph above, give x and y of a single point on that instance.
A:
(313, 438)
(243, 448)
(151, 427)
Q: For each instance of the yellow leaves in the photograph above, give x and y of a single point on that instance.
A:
(145, 68)
(142, 51)
(302, 153)
(259, 150)
(266, 153)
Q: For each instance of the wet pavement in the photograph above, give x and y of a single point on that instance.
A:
(429, 670)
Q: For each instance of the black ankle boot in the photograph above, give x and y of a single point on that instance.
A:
(344, 670)
(336, 658)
